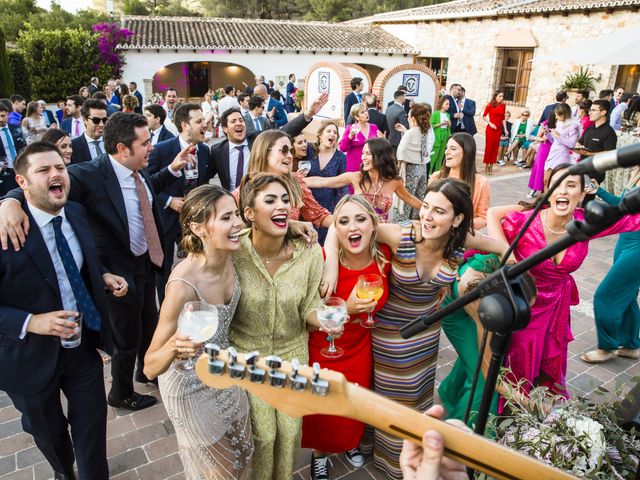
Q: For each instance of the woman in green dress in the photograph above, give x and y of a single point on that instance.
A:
(441, 124)
(279, 277)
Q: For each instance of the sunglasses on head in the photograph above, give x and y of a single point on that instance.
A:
(97, 120)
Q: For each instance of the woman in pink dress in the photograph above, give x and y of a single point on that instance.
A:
(538, 353)
(355, 136)
(536, 179)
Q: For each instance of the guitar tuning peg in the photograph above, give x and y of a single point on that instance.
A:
(215, 365)
(256, 375)
(298, 382)
(277, 379)
(318, 385)
(236, 370)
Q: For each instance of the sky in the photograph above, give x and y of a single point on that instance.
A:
(70, 5)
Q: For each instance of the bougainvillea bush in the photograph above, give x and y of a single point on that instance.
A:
(110, 35)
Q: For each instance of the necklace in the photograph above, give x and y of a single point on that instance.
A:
(544, 223)
(266, 261)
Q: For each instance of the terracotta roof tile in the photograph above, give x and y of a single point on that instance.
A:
(491, 8)
(242, 34)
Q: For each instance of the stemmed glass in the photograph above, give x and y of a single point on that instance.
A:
(199, 321)
(370, 286)
(304, 166)
(331, 313)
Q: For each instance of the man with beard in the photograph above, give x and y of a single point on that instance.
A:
(90, 145)
(44, 289)
(189, 120)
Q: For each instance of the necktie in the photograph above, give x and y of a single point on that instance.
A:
(257, 124)
(240, 169)
(151, 138)
(96, 144)
(76, 128)
(9, 141)
(86, 307)
(150, 229)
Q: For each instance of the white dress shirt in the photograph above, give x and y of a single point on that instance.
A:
(233, 160)
(43, 220)
(92, 147)
(155, 134)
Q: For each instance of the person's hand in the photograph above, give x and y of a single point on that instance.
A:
(592, 187)
(176, 204)
(316, 106)
(329, 281)
(493, 126)
(14, 225)
(357, 305)
(271, 113)
(334, 332)
(184, 347)
(115, 284)
(578, 146)
(184, 157)
(555, 133)
(426, 462)
(400, 128)
(55, 323)
(305, 230)
(380, 134)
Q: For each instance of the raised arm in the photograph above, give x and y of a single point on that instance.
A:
(494, 220)
(342, 180)
(404, 195)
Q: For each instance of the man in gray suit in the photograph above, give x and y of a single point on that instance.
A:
(396, 117)
(255, 120)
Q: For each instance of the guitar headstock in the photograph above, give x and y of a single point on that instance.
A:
(291, 387)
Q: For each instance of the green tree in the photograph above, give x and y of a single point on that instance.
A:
(58, 18)
(135, 7)
(20, 74)
(6, 81)
(60, 61)
(14, 14)
(175, 9)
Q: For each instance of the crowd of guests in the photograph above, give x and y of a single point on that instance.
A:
(106, 200)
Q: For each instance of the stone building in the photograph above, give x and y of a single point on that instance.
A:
(501, 44)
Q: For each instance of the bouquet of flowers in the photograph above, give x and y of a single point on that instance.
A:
(580, 436)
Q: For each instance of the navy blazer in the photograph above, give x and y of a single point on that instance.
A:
(18, 140)
(349, 101)
(265, 124)
(28, 284)
(80, 150)
(66, 125)
(164, 134)
(280, 118)
(468, 110)
(138, 95)
(161, 157)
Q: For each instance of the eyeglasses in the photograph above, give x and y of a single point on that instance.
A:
(284, 150)
(97, 120)
(595, 110)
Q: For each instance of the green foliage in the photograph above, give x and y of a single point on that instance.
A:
(583, 79)
(21, 77)
(6, 81)
(163, 8)
(14, 14)
(60, 61)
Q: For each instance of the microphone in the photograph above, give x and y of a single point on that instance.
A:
(628, 156)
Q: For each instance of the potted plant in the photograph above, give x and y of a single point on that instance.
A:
(583, 79)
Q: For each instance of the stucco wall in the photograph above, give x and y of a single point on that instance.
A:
(469, 46)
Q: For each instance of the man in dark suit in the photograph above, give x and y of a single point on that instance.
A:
(73, 124)
(273, 108)
(461, 110)
(289, 97)
(396, 116)
(156, 115)
(255, 120)
(44, 286)
(375, 117)
(561, 97)
(125, 218)
(11, 142)
(133, 90)
(90, 144)
(407, 103)
(354, 97)
(48, 115)
(189, 121)
(230, 158)
(94, 85)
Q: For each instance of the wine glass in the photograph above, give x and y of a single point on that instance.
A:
(370, 286)
(331, 313)
(199, 321)
(304, 166)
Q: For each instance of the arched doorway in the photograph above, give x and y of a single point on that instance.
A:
(193, 79)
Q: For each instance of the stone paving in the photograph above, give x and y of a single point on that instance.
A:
(143, 444)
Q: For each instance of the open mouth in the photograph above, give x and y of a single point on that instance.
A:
(56, 188)
(280, 221)
(234, 237)
(562, 204)
(355, 240)
(428, 228)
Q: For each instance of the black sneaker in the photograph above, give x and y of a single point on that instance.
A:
(320, 468)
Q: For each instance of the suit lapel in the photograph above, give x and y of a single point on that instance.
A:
(203, 160)
(114, 192)
(224, 158)
(36, 248)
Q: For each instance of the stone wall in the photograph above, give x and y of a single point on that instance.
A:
(469, 46)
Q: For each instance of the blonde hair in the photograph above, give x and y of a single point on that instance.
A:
(356, 110)
(374, 251)
(198, 207)
(259, 162)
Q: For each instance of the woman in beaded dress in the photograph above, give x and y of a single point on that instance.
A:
(376, 181)
(423, 267)
(212, 426)
(279, 276)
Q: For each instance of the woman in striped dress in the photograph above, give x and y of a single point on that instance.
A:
(423, 266)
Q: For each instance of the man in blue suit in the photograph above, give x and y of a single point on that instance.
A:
(354, 97)
(156, 115)
(44, 286)
(90, 145)
(255, 121)
(133, 90)
(461, 110)
(73, 124)
(273, 108)
(561, 97)
(189, 120)
(11, 142)
(289, 99)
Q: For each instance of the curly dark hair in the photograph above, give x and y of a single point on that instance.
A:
(422, 113)
(384, 162)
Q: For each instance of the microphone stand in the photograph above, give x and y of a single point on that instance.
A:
(507, 294)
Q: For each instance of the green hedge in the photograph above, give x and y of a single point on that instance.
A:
(6, 81)
(20, 74)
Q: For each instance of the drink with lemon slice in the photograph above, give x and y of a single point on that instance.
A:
(199, 321)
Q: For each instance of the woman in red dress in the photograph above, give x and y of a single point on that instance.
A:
(356, 224)
(494, 116)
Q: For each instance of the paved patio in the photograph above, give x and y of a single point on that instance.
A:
(143, 445)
